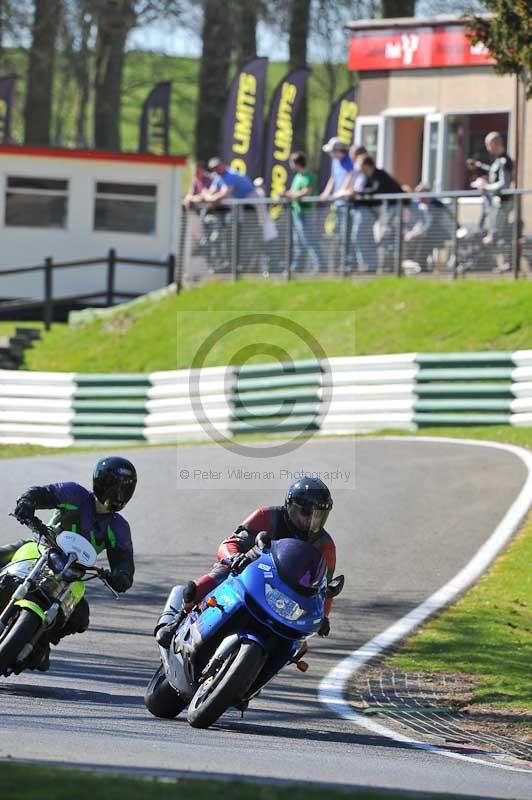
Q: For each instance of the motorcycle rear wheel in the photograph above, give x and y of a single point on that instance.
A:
(161, 699)
(227, 686)
(17, 637)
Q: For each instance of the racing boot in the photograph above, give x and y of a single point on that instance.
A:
(40, 658)
(165, 633)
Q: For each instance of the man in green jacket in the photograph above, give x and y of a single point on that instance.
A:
(305, 216)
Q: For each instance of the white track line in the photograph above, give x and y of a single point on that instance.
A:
(333, 688)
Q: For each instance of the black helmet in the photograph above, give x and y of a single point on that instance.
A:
(307, 505)
(113, 481)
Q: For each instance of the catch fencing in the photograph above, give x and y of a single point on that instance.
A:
(342, 395)
(446, 234)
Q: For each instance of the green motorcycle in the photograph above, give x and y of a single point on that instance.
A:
(39, 590)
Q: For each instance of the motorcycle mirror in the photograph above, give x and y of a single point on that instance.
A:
(335, 586)
(263, 540)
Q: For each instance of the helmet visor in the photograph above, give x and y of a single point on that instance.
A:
(116, 496)
(307, 519)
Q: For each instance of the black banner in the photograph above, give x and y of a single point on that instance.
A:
(243, 123)
(7, 94)
(280, 131)
(340, 123)
(155, 121)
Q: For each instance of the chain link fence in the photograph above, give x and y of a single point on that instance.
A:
(445, 235)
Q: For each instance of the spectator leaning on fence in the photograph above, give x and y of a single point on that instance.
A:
(363, 216)
(432, 229)
(378, 181)
(340, 181)
(200, 182)
(306, 225)
(499, 176)
(227, 183)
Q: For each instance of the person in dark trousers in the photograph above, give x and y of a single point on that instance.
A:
(92, 514)
(302, 516)
(378, 181)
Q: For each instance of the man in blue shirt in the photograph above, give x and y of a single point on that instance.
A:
(227, 183)
(338, 183)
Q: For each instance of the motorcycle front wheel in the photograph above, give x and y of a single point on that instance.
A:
(217, 693)
(17, 637)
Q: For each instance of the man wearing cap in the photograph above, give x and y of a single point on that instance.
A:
(228, 183)
(338, 183)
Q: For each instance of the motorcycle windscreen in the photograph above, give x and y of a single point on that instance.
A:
(300, 565)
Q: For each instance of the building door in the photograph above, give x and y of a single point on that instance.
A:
(407, 150)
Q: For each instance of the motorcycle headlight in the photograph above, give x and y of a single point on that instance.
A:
(56, 561)
(283, 605)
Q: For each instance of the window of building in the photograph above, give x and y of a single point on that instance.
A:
(369, 133)
(464, 138)
(125, 207)
(36, 202)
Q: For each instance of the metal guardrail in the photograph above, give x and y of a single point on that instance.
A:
(438, 233)
(109, 295)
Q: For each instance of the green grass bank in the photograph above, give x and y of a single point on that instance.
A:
(487, 634)
(389, 315)
(25, 782)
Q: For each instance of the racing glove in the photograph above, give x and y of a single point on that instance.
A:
(325, 627)
(242, 560)
(24, 510)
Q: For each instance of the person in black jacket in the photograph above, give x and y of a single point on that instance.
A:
(378, 181)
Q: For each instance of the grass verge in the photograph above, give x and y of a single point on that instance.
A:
(487, 635)
(341, 315)
(24, 782)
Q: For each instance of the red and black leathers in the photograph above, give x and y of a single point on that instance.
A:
(271, 519)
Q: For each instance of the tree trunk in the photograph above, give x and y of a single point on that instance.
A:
(115, 18)
(215, 59)
(38, 109)
(82, 70)
(398, 8)
(246, 13)
(297, 46)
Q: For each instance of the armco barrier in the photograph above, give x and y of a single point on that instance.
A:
(341, 395)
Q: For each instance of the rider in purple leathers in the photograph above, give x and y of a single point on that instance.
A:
(93, 515)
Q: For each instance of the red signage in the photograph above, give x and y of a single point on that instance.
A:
(415, 48)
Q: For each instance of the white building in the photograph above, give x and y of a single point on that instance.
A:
(77, 204)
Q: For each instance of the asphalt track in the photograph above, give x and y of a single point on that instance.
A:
(408, 516)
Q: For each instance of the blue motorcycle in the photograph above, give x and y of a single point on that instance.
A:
(240, 636)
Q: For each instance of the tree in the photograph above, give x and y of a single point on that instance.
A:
(114, 19)
(398, 8)
(38, 108)
(214, 71)
(246, 14)
(297, 47)
(508, 36)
